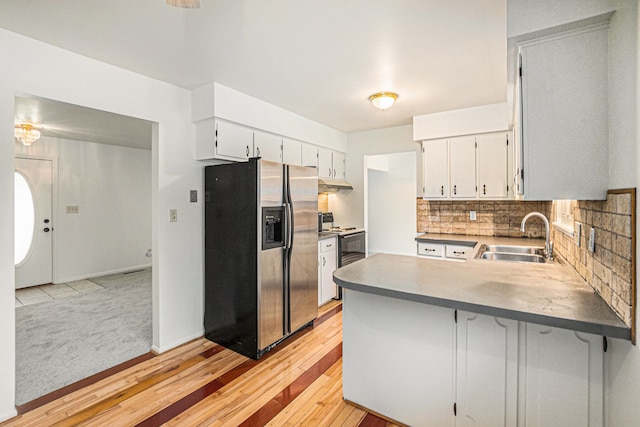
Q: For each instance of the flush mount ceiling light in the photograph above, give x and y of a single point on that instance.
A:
(26, 133)
(191, 4)
(383, 100)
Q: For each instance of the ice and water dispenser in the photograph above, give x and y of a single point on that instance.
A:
(273, 230)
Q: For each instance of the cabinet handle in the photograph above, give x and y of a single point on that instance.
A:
(329, 245)
(454, 190)
(324, 261)
(429, 250)
(247, 151)
(329, 171)
(442, 190)
(458, 253)
(484, 188)
(258, 152)
(334, 173)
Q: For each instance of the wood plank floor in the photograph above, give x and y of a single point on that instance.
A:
(299, 383)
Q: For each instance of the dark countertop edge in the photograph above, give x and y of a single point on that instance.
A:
(574, 325)
(462, 242)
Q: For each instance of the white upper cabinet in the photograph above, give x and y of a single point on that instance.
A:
(267, 146)
(562, 151)
(492, 154)
(436, 169)
(291, 152)
(467, 167)
(233, 142)
(462, 167)
(310, 155)
(338, 165)
(325, 163)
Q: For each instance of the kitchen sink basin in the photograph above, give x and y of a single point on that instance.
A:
(503, 256)
(533, 254)
(515, 249)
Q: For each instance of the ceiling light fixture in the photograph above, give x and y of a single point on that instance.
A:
(26, 133)
(190, 4)
(383, 100)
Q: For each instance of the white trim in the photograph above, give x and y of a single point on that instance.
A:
(160, 350)
(564, 229)
(8, 415)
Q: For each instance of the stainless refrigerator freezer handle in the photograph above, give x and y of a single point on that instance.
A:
(288, 225)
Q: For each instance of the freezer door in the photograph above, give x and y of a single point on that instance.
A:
(303, 257)
(271, 323)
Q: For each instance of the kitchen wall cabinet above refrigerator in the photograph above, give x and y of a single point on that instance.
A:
(467, 167)
(562, 140)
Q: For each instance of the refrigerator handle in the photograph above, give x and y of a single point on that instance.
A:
(288, 225)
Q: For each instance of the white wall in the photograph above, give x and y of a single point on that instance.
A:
(348, 205)
(391, 205)
(53, 73)
(112, 187)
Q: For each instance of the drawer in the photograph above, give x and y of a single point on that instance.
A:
(459, 252)
(328, 245)
(430, 249)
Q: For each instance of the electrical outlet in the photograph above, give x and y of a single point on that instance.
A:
(592, 240)
(73, 209)
(577, 233)
(472, 215)
(173, 215)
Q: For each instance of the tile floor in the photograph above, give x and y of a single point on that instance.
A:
(46, 293)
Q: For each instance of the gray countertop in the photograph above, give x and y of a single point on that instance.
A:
(546, 294)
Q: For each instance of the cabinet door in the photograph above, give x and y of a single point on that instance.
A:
(565, 116)
(435, 160)
(233, 142)
(267, 146)
(309, 155)
(325, 163)
(291, 152)
(487, 371)
(563, 378)
(338, 165)
(462, 156)
(492, 156)
(328, 266)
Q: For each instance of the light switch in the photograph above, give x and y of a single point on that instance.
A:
(173, 215)
(592, 240)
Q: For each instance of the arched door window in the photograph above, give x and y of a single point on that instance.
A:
(24, 218)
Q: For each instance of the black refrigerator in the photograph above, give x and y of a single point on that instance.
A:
(261, 253)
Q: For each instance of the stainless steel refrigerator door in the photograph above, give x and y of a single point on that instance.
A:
(271, 326)
(303, 267)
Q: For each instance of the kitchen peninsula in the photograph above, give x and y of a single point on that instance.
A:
(428, 342)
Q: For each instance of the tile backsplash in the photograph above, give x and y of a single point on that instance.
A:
(493, 218)
(323, 202)
(609, 270)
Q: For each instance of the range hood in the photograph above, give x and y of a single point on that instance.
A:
(332, 185)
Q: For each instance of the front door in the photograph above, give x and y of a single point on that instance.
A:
(33, 226)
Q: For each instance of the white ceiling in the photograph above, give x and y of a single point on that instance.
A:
(319, 58)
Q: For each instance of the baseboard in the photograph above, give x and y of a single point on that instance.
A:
(160, 350)
(102, 273)
(8, 415)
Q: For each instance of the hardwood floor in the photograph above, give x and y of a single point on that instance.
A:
(201, 383)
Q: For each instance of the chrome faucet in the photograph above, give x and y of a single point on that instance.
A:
(548, 246)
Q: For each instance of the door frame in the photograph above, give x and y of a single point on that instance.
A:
(54, 206)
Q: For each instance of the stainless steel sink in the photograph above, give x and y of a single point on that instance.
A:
(503, 256)
(515, 249)
(533, 254)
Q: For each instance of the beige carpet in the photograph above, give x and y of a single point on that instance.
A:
(63, 341)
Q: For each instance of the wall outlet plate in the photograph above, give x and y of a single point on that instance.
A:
(472, 215)
(73, 209)
(577, 233)
(193, 196)
(173, 215)
(592, 240)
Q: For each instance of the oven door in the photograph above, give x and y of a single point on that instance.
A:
(351, 248)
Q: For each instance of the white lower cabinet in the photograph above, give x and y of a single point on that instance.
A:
(327, 264)
(487, 370)
(563, 378)
(424, 365)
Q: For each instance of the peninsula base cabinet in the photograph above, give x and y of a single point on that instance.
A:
(424, 365)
